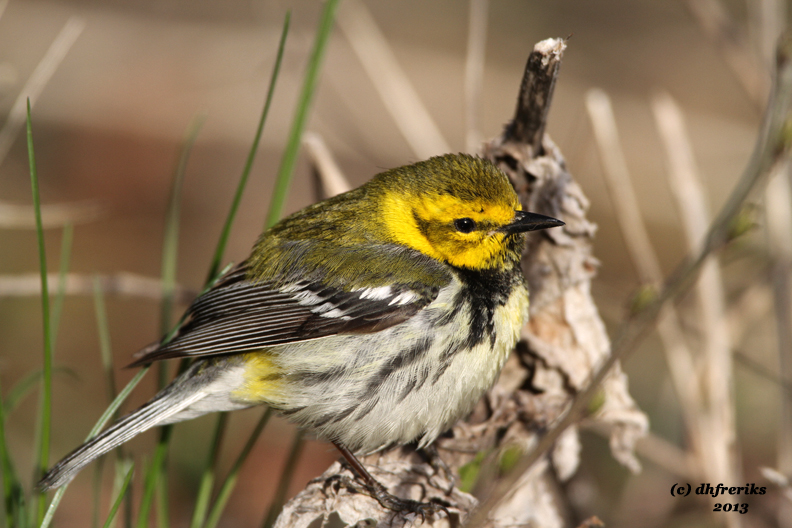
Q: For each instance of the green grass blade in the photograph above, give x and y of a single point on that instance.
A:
(163, 512)
(106, 353)
(186, 314)
(285, 480)
(106, 416)
(130, 503)
(170, 245)
(230, 481)
(65, 258)
(13, 496)
(122, 465)
(120, 498)
(103, 329)
(96, 491)
(154, 476)
(113, 407)
(221, 244)
(208, 477)
(45, 408)
(310, 81)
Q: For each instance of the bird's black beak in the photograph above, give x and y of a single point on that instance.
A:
(524, 221)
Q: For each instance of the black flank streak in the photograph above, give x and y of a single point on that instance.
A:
(317, 378)
(334, 417)
(445, 360)
(416, 382)
(367, 408)
(405, 359)
(407, 389)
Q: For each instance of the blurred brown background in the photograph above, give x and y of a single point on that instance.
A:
(107, 128)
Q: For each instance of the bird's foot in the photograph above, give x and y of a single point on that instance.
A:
(386, 499)
(378, 492)
(404, 506)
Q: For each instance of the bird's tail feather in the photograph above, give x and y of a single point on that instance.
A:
(156, 412)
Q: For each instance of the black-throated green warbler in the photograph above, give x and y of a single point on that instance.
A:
(372, 319)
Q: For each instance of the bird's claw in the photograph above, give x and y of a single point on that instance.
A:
(404, 506)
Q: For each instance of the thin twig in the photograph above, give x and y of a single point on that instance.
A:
(37, 81)
(120, 284)
(751, 307)
(718, 25)
(780, 480)
(625, 203)
(620, 188)
(716, 418)
(307, 92)
(13, 216)
(332, 180)
(768, 374)
(766, 22)
(214, 267)
(391, 82)
(474, 70)
(778, 210)
(658, 450)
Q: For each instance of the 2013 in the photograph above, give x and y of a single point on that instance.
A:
(738, 508)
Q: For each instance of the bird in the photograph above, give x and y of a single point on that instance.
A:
(373, 319)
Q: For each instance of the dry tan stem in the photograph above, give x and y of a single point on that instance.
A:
(660, 451)
(766, 22)
(716, 418)
(37, 81)
(391, 82)
(778, 211)
(625, 204)
(719, 26)
(474, 70)
(332, 179)
(121, 284)
(752, 306)
(14, 216)
(620, 188)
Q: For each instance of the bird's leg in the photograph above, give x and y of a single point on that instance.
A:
(383, 496)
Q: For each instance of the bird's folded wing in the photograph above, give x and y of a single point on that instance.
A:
(241, 315)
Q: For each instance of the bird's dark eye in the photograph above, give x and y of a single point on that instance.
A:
(464, 225)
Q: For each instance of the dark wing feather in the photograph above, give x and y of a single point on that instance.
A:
(240, 315)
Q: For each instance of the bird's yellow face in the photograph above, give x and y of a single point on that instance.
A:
(469, 234)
